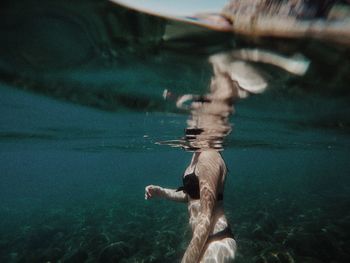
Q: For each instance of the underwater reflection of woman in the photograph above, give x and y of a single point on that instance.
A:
(204, 178)
(203, 182)
(203, 186)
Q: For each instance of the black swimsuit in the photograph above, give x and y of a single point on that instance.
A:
(225, 233)
(191, 186)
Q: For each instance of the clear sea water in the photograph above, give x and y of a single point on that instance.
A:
(77, 148)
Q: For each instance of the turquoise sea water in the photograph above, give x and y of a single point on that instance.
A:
(73, 181)
(78, 129)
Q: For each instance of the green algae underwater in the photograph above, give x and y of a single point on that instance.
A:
(81, 101)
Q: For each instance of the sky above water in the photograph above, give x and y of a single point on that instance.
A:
(174, 7)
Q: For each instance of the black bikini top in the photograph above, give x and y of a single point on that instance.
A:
(191, 186)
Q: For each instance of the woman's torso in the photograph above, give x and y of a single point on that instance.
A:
(218, 219)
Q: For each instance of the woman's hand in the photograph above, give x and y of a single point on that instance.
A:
(152, 191)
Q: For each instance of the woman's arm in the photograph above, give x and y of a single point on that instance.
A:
(209, 175)
(170, 194)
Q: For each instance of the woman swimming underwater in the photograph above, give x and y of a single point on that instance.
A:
(204, 178)
(203, 186)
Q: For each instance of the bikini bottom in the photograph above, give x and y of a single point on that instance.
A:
(225, 233)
